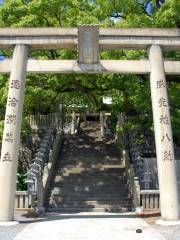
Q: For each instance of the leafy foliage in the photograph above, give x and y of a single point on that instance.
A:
(130, 93)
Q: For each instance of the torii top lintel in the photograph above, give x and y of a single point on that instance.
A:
(103, 38)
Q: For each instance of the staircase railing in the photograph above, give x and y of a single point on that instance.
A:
(40, 172)
(50, 166)
(134, 186)
(35, 173)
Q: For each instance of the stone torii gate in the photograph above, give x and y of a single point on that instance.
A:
(89, 40)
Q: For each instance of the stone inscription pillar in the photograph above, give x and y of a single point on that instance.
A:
(11, 134)
(163, 137)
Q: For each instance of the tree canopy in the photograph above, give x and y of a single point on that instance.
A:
(130, 93)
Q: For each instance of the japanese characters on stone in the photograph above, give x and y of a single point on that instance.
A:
(15, 84)
(12, 102)
(11, 119)
(7, 157)
(9, 137)
(164, 120)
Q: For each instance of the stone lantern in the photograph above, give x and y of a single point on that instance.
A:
(147, 179)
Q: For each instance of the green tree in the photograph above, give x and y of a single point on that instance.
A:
(131, 93)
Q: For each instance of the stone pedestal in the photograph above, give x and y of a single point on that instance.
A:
(163, 137)
(11, 135)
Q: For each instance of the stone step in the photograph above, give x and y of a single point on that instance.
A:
(88, 205)
(71, 191)
(66, 175)
(97, 152)
(91, 185)
(88, 174)
(91, 168)
(94, 181)
(87, 169)
(87, 165)
(95, 164)
(88, 209)
(77, 181)
(89, 188)
(83, 177)
(81, 201)
(90, 195)
(85, 201)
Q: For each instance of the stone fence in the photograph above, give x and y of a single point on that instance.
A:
(149, 199)
(143, 156)
(22, 200)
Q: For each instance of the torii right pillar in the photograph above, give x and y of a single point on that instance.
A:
(163, 137)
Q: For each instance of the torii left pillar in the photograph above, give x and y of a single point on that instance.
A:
(11, 134)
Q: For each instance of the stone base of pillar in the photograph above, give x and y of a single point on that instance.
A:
(7, 224)
(167, 223)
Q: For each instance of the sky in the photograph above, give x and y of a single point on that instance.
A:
(148, 9)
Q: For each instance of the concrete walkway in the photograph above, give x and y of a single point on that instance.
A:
(87, 226)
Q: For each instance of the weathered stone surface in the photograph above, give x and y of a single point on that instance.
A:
(11, 134)
(88, 44)
(109, 38)
(112, 66)
(163, 137)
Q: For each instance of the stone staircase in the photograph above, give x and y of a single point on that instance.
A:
(89, 176)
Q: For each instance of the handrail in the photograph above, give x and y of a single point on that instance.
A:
(34, 174)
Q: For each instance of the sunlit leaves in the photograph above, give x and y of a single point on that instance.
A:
(130, 94)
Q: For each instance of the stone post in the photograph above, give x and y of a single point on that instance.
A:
(73, 125)
(40, 196)
(136, 192)
(163, 137)
(11, 135)
(102, 123)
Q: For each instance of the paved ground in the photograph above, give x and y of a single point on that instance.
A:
(9, 232)
(89, 227)
(169, 232)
